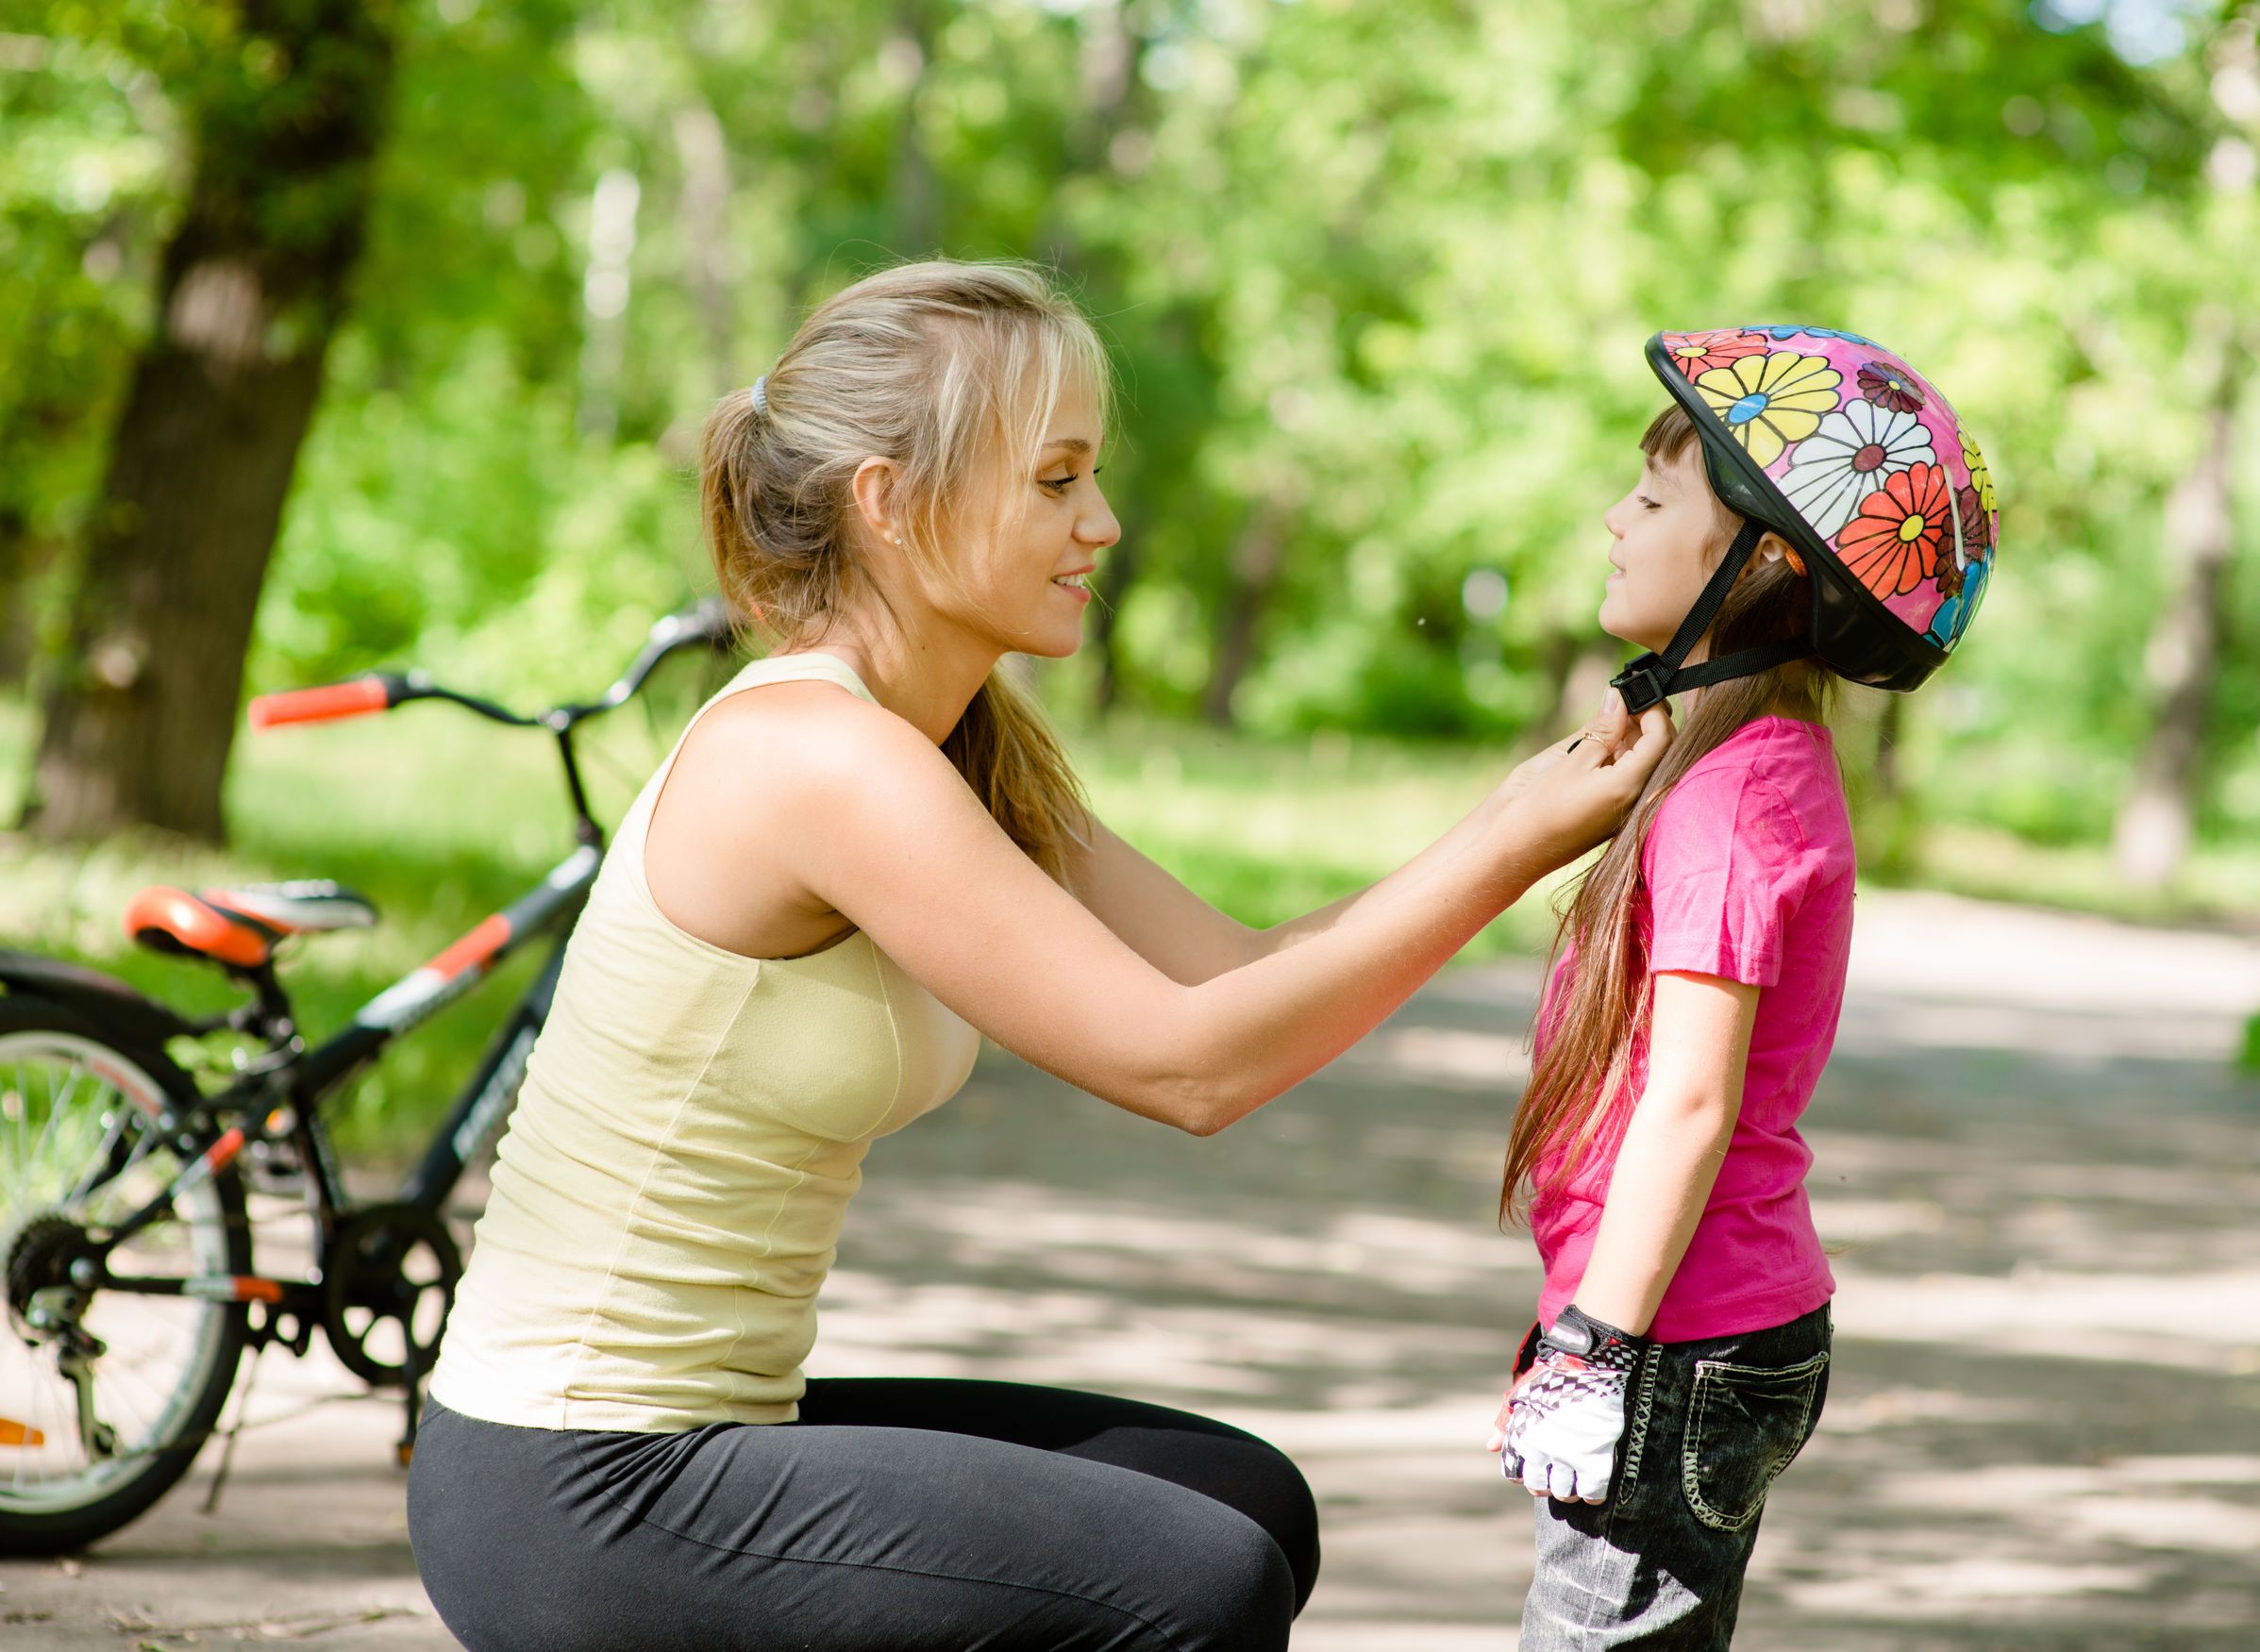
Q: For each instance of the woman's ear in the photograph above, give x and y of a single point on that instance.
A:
(874, 489)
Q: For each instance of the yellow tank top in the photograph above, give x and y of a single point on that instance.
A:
(669, 1193)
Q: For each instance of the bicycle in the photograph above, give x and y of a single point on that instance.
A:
(125, 1246)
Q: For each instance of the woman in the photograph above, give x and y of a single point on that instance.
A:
(818, 905)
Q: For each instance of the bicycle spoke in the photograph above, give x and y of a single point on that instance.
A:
(55, 1106)
(91, 1156)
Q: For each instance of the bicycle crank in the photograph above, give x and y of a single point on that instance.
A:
(389, 1276)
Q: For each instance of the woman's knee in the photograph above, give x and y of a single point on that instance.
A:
(1283, 1506)
(1239, 1593)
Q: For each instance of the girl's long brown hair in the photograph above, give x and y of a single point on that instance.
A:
(1581, 1075)
(952, 370)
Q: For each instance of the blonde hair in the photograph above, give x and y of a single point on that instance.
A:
(952, 371)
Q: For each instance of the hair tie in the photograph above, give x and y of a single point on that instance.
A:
(760, 393)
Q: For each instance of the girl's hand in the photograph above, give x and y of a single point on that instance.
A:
(1558, 1428)
(1570, 796)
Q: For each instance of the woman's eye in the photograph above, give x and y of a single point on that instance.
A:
(1059, 484)
(1648, 504)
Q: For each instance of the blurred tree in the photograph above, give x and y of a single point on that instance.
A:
(1375, 280)
(285, 108)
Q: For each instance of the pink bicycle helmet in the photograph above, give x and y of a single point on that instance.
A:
(1836, 445)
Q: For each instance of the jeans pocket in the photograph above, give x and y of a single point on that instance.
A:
(1745, 1424)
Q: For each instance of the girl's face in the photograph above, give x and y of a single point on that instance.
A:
(1670, 533)
(1032, 584)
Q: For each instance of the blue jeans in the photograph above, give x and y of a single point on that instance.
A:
(1708, 1426)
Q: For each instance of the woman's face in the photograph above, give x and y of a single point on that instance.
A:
(1670, 532)
(1028, 589)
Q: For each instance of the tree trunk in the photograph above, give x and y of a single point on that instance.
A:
(1263, 552)
(251, 288)
(2155, 823)
(916, 187)
(1117, 567)
(706, 243)
(22, 559)
(1110, 55)
(1890, 730)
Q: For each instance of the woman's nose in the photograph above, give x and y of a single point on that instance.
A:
(1098, 529)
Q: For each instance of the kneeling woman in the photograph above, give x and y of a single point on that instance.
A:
(864, 853)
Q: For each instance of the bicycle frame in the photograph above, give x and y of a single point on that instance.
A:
(284, 1102)
(279, 1097)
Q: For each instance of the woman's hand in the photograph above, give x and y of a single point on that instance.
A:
(1570, 796)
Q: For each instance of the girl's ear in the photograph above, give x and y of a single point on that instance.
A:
(1774, 548)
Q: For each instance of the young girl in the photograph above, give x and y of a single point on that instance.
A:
(1808, 507)
(864, 853)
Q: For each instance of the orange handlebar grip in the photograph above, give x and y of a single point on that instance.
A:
(360, 695)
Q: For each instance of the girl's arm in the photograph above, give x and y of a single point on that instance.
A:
(1699, 1041)
(1191, 942)
(861, 812)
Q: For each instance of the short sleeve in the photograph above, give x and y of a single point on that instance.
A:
(1724, 866)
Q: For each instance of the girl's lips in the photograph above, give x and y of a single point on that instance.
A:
(1076, 592)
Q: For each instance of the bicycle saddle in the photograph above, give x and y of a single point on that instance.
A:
(240, 925)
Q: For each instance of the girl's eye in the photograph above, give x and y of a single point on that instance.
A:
(1059, 485)
(1648, 504)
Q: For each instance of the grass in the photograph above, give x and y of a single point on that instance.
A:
(442, 819)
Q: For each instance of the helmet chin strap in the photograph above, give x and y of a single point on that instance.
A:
(1648, 679)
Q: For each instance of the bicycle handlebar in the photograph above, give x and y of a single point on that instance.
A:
(706, 624)
(355, 698)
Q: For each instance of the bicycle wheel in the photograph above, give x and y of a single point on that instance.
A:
(80, 1150)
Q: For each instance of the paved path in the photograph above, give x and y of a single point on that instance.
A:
(2030, 1134)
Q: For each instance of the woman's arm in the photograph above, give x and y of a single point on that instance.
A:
(1699, 1041)
(1191, 942)
(857, 808)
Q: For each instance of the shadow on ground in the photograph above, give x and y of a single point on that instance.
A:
(2043, 1428)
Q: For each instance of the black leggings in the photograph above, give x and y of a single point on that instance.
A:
(895, 1516)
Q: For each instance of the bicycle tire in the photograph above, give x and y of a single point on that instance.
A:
(30, 1526)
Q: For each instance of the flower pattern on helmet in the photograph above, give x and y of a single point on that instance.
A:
(1850, 457)
(1767, 402)
(1891, 545)
(1961, 604)
(1980, 476)
(1696, 353)
(1858, 457)
(1890, 387)
(1977, 530)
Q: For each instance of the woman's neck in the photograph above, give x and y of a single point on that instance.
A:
(925, 671)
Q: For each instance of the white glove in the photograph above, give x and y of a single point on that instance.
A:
(1564, 1418)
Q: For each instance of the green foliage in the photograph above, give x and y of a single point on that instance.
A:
(1376, 274)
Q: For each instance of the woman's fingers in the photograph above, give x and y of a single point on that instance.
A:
(1651, 739)
(1608, 726)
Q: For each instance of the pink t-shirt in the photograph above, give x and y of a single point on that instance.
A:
(1747, 874)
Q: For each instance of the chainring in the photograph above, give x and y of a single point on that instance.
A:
(384, 1266)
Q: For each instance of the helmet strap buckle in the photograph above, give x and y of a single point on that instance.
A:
(1641, 682)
